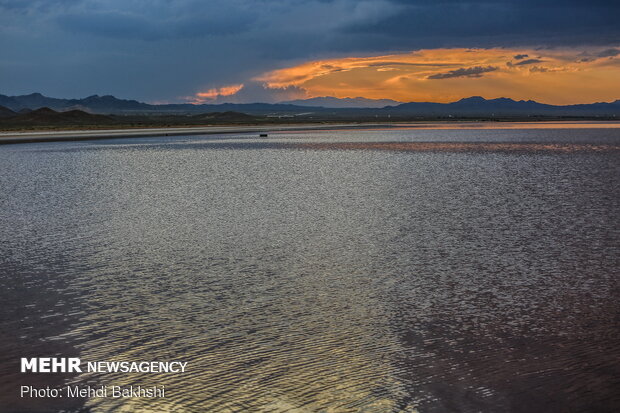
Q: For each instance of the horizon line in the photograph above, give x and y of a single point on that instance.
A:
(287, 102)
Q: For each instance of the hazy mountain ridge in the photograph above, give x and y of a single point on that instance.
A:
(332, 102)
(6, 112)
(111, 105)
(479, 106)
(46, 118)
(472, 106)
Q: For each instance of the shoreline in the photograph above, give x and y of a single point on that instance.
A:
(96, 134)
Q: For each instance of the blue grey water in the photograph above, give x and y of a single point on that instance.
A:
(397, 269)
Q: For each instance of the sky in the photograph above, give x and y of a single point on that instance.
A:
(215, 51)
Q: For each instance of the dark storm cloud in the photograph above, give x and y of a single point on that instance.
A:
(162, 49)
(29, 5)
(609, 53)
(138, 26)
(485, 23)
(590, 56)
(476, 71)
(538, 69)
(520, 56)
(528, 62)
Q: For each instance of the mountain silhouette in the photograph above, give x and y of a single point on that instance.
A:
(471, 106)
(332, 102)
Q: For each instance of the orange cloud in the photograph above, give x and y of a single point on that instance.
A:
(556, 76)
(214, 93)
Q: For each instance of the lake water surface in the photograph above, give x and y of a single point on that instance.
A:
(467, 269)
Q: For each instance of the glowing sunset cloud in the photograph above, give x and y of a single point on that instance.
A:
(555, 76)
(212, 94)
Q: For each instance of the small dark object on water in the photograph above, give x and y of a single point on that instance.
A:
(263, 135)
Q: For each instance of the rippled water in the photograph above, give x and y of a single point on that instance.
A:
(337, 271)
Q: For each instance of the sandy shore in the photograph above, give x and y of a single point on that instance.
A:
(75, 135)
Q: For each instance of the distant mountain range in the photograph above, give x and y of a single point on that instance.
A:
(111, 105)
(332, 102)
(49, 118)
(322, 107)
(44, 116)
(477, 105)
(95, 103)
(6, 112)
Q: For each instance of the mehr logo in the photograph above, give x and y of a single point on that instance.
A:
(50, 365)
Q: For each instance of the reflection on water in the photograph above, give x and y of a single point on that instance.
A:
(294, 275)
(461, 146)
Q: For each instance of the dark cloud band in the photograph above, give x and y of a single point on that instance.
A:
(476, 71)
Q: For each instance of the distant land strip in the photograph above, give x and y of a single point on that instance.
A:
(93, 134)
(79, 135)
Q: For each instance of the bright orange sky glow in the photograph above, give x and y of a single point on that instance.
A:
(554, 76)
(202, 97)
